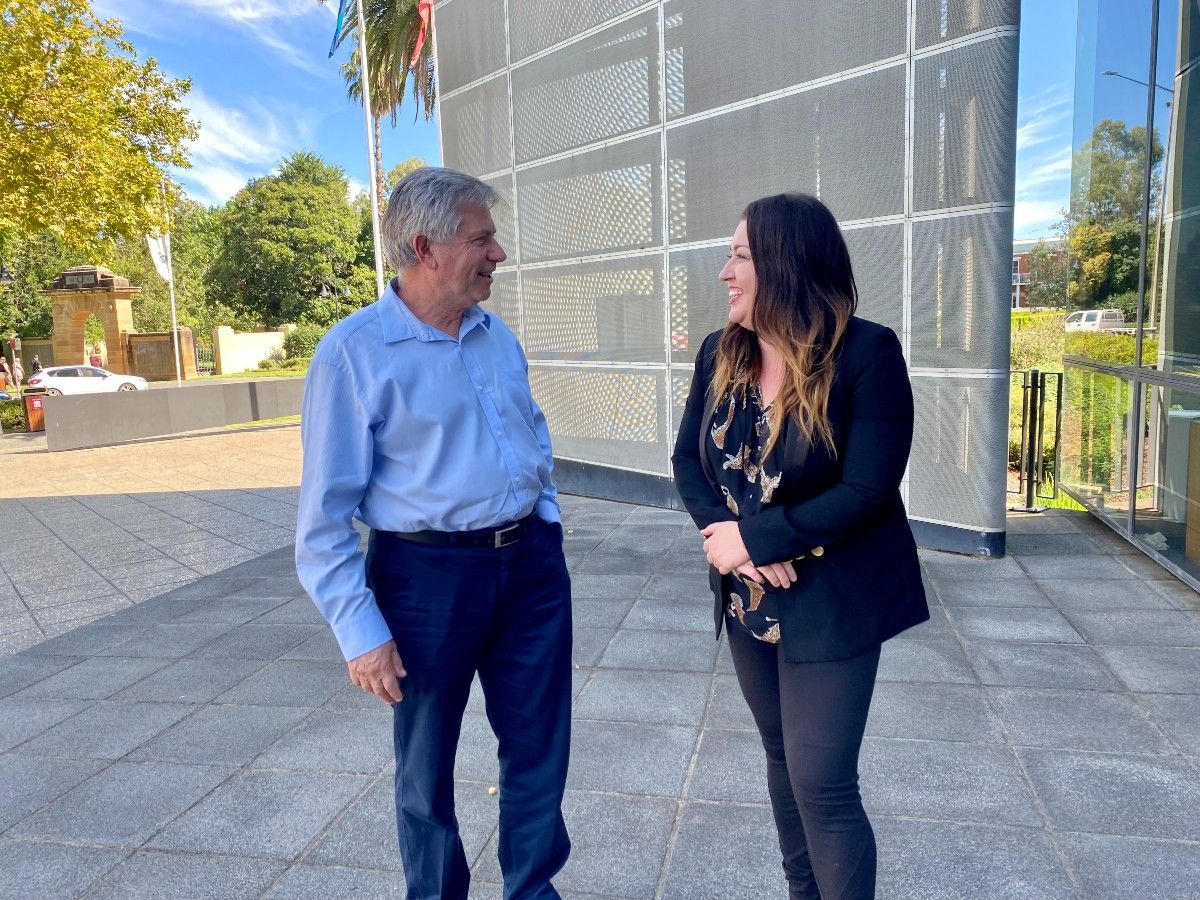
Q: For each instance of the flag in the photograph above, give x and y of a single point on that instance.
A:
(424, 10)
(341, 21)
(160, 252)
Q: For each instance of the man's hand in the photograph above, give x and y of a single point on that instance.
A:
(379, 672)
(724, 547)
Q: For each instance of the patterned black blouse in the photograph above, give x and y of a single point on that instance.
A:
(740, 430)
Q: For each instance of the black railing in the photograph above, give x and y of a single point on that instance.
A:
(1041, 419)
(205, 364)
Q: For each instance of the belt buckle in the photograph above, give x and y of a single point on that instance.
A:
(502, 532)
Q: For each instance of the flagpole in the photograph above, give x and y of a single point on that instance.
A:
(171, 289)
(365, 81)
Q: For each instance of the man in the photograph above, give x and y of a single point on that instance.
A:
(418, 420)
(35, 366)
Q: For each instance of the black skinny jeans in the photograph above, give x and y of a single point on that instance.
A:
(811, 718)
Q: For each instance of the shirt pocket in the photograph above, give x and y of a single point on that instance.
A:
(514, 394)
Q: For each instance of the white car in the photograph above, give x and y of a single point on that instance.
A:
(58, 380)
(1096, 320)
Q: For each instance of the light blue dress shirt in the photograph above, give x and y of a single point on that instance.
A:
(406, 428)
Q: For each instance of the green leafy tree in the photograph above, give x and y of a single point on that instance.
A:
(195, 237)
(393, 28)
(1048, 276)
(398, 171)
(1109, 174)
(86, 128)
(33, 262)
(288, 245)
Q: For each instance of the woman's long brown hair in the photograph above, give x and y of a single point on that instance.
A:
(803, 302)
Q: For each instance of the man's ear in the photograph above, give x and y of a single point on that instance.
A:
(423, 248)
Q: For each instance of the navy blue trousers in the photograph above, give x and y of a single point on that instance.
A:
(505, 614)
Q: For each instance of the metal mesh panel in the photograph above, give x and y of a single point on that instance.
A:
(965, 124)
(475, 130)
(537, 24)
(877, 255)
(601, 87)
(947, 20)
(478, 29)
(807, 39)
(681, 385)
(699, 301)
(843, 142)
(610, 310)
(960, 451)
(960, 297)
(597, 202)
(504, 301)
(608, 416)
(503, 214)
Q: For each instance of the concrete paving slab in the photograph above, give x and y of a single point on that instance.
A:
(289, 682)
(945, 780)
(932, 658)
(724, 850)
(354, 741)
(632, 695)
(221, 735)
(1079, 720)
(730, 766)
(938, 712)
(672, 651)
(107, 729)
(28, 783)
(1161, 670)
(1111, 867)
(191, 680)
(39, 871)
(263, 814)
(1178, 716)
(92, 679)
(305, 881)
(1040, 665)
(923, 860)
(155, 875)
(1110, 793)
(630, 758)
(123, 805)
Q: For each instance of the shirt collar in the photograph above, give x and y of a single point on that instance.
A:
(399, 323)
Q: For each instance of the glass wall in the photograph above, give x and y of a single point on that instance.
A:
(1132, 416)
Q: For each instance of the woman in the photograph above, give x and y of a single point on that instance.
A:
(790, 454)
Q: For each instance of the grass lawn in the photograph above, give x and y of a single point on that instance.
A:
(262, 373)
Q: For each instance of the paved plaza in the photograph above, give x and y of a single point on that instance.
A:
(1039, 738)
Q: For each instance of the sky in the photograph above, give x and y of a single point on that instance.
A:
(262, 88)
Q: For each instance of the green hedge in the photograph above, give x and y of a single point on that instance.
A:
(303, 341)
(12, 416)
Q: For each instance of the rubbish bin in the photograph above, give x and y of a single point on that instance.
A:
(35, 416)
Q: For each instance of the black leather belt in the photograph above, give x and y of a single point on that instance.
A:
(500, 536)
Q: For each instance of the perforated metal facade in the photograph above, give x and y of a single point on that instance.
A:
(626, 137)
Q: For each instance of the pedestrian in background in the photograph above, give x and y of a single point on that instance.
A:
(789, 458)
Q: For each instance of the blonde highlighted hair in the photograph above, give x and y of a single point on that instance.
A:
(803, 303)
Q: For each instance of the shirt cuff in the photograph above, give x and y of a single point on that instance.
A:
(547, 510)
(362, 632)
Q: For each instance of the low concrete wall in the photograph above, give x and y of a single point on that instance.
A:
(99, 420)
(242, 351)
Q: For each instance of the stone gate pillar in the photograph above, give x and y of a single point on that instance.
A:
(75, 296)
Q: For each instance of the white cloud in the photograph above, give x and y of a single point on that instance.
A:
(1034, 218)
(235, 145)
(1044, 117)
(1052, 170)
(354, 187)
(290, 28)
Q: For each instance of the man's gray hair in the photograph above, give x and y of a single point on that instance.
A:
(429, 201)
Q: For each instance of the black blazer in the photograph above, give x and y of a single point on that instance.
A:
(839, 516)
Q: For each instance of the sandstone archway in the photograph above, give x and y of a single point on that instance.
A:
(78, 294)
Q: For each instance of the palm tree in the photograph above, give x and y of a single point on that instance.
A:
(393, 28)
